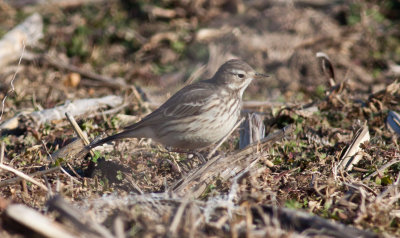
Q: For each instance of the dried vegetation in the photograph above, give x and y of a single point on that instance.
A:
(334, 85)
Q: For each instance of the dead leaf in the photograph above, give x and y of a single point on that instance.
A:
(351, 156)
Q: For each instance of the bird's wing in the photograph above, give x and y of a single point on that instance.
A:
(188, 101)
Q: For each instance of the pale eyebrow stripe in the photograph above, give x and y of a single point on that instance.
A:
(237, 71)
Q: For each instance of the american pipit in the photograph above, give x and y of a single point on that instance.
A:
(199, 114)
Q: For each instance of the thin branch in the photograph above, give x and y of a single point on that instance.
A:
(225, 167)
(12, 80)
(42, 225)
(2, 152)
(110, 111)
(23, 176)
(70, 176)
(78, 131)
(389, 189)
(381, 169)
(178, 216)
(38, 173)
(115, 83)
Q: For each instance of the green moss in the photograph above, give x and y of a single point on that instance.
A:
(96, 156)
(79, 44)
(159, 69)
(6, 140)
(178, 46)
(320, 92)
(355, 14)
(293, 204)
(120, 175)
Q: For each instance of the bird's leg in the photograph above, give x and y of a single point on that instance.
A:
(174, 150)
(200, 156)
(195, 153)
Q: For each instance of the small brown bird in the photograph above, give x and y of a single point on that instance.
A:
(199, 114)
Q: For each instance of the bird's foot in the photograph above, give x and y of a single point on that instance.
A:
(195, 153)
(200, 156)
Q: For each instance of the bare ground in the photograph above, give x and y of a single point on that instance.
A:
(155, 46)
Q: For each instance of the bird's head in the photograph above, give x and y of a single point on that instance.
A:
(236, 75)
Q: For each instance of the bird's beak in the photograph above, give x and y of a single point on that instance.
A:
(260, 76)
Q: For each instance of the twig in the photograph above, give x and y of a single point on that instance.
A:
(108, 81)
(70, 176)
(30, 218)
(111, 111)
(366, 187)
(223, 139)
(84, 224)
(73, 170)
(115, 83)
(12, 80)
(2, 152)
(380, 170)
(309, 225)
(76, 107)
(119, 227)
(18, 179)
(134, 185)
(271, 138)
(28, 33)
(224, 167)
(178, 216)
(78, 131)
(23, 176)
(389, 189)
(47, 151)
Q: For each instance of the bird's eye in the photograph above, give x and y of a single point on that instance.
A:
(241, 76)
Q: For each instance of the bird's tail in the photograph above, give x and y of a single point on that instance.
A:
(118, 136)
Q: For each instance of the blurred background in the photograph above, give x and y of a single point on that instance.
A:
(158, 45)
(143, 51)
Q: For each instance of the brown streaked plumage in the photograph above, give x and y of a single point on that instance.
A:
(199, 114)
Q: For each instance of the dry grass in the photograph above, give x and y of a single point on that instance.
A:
(127, 189)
